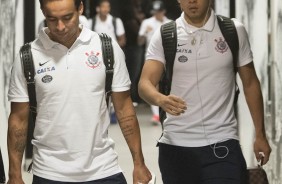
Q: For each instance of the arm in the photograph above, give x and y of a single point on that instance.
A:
(252, 91)
(141, 40)
(17, 135)
(147, 88)
(130, 128)
(121, 40)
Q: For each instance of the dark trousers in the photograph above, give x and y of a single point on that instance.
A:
(115, 179)
(200, 165)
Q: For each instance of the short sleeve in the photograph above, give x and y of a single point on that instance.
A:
(245, 54)
(120, 27)
(155, 49)
(18, 86)
(121, 81)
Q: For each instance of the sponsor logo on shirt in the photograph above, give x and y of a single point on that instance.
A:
(46, 69)
(47, 78)
(182, 59)
(221, 45)
(41, 64)
(187, 51)
(92, 60)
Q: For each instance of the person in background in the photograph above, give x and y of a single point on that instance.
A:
(147, 29)
(200, 143)
(71, 142)
(104, 22)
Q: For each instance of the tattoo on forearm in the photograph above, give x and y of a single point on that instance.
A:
(127, 129)
(20, 136)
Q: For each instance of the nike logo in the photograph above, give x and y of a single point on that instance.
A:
(179, 45)
(41, 64)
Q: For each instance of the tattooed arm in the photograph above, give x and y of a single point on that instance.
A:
(130, 128)
(17, 134)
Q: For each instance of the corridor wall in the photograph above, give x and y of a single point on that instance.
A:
(11, 13)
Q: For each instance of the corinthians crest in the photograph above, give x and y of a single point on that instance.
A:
(221, 45)
(92, 60)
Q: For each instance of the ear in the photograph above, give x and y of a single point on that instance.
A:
(97, 9)
(81, 8)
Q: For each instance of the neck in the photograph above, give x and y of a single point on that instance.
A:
(103, 17)
(199, 21)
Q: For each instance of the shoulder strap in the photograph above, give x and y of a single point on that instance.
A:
(229, 32)
(169, 40)
(29, 72)
(93, 23)
(108, 57)
(114, 21)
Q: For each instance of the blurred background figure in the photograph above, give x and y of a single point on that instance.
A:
(104, 22)
(147, 29)
(133, 13)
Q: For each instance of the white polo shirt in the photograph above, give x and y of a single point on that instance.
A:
(108, 27)
(71, 140)
(203, 76)
(152, 23)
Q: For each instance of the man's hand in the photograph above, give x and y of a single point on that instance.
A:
(261, 145)
(141, 174)
(15, 181)
(173, 105)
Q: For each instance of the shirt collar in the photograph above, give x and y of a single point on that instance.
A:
(47, 43)
(209, 25)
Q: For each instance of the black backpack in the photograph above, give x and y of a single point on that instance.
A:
(29, 72)
(169, 40)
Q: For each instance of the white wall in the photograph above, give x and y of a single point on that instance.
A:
(12, 13)
(253, 14)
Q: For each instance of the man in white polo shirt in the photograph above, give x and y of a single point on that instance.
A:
(200, 143)
(71, 142)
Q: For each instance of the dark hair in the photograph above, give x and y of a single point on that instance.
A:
(102, 1)
(77, 3)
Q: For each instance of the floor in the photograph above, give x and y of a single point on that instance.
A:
(150, 134)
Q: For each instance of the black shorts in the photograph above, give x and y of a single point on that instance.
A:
(200, 165)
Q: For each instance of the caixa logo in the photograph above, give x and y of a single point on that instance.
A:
(47, 69)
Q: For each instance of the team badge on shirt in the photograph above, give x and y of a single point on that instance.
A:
(92, 60)
(221, 45)
(47, 78)
(182, 59)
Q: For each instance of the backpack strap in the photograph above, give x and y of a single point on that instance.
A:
(29, 72)
(169, 40)
(230, 34)
(114, 22)
(108, 57)
(93, 23)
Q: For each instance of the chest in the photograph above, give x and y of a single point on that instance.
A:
(78, 71)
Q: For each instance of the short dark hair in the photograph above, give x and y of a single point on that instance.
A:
(102, 1)
(77, 3)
